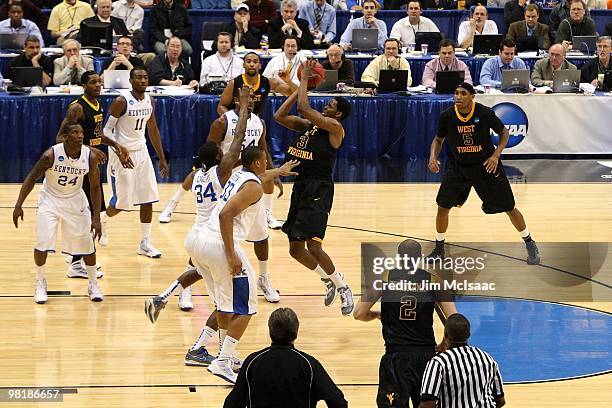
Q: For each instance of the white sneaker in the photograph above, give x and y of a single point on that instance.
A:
(95, 293)
(222, 368)
(68, 259)
(185, 303)
(104, 238)
(147, 249)
(264, 284)
(77, 270)
(273, 223)
(166, 215)
(40, 293)
(236, 363)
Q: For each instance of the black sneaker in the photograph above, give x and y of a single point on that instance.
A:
(437, 253)
(153, 306)
(200, 357)
(330, 290)
(533, 254)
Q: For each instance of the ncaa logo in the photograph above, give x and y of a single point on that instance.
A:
(515, 120)
(131, 102)
(61, 158)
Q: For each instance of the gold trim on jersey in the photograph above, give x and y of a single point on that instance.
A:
(469, 116)
(257, 84)
(94, 107)
(317, 239)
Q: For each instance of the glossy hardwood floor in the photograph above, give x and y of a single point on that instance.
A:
(114, 357)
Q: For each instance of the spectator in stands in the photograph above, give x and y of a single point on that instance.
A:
(103, 9)
(262, 11)
(477, 24)
(169, 68)
(336, 60)
(600, 65)
(66, 18)
(124, 59)
(405, 29)
(321, 18)
(17, 24)
(32, 57)
(287, 62)
(223, 65)
(369, 20)
(521, 31)
(69, 68)
(288, 24)
(30, 12)
(577, 24)
(145, 4)
(545, 68)
(497, 3)
(446, 61)
(490, 74)
(281, 375)
(170, 19)
(559, 13)
(133, 17)
(242, 30)
(389, 60)
(439, 4)
(514, 10)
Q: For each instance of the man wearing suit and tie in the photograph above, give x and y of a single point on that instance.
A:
(288, 24)
(520, 31)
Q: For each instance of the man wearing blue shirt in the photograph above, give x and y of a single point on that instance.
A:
(491, 71)
(321, 19)
(16, 24)
(370, 7)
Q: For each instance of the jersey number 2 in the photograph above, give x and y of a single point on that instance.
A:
(139, 124)
(208, 192)
(407, 309)
(63, 180)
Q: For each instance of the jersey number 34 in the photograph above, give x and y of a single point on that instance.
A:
(209, 192)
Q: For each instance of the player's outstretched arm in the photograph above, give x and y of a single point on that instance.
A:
(363, 310)
(286, 170)
(45, 162)
(188, 181)
(282, 116)
(226, 98)
(285, 87)
(73, 114)
(155, 139)
(217, 130)
(233, 154)
(96, 196)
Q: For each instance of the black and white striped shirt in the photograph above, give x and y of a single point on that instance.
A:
(462, 377)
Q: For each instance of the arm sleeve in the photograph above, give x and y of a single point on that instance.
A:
(429, 75)
(382, 34)
(463, 29)
(432, 380)
(536, 75)
(109, 128)
(323, 387)
(395, 31)
(486, 73)
(331, 30)
(372, 72)
(497, 385)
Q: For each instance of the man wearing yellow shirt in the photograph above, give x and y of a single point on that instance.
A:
(66, 17)
(389, 60)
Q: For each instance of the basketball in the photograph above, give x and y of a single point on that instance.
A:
(317, 79)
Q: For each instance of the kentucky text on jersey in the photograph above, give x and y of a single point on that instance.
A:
(69, 170)
(250, 132)
(140, 112)
(302, 154)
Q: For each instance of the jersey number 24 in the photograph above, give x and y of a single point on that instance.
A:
(209, 191)
(63, 181)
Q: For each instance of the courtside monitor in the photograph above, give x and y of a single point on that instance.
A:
(97, 34)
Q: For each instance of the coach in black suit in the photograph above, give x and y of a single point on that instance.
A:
(517, 31)
(288, 24)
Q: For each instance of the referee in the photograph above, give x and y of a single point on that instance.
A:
(462, 376)
(280, 376)
(474, 162)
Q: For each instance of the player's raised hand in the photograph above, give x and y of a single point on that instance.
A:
(96, 229)
(17, 213)
(434, 165)
(491, 164)
(244, 95)
(287, 168)
(307, 67)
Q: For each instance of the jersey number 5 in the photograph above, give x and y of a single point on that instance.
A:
(63, 180)
(407, 309)
(208, 192)
(139, 124)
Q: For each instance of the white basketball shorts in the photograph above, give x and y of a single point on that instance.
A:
(135, 186)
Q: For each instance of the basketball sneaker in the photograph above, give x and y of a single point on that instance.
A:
(330, 290)
(185, 303)
(40, 293)
(68, 259)
(104, 238)
(533, 253)
(437, 253)
(264, 284)
(95, 293)
(273, 223)
(77, 270)
(236, 363)
(166, 215)
(221, 367)
(348, 304)
(146, 248)
(153, 307)
(200, 357)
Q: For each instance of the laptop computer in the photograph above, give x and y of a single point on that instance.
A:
(392, 80)
(329, 82)
(447, 81)
(118, 79)
(28, 76)
(365, 39)
(585, 43)
(431, 39)
(12, 41)
(515, 80)
(566, 81)
(487, 44)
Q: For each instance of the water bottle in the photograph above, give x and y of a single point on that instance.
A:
(264, 43)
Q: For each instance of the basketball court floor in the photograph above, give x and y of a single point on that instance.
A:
(555, 353)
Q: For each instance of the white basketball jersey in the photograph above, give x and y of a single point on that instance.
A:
(207, 190)
(65, 177)
(130, 128)
(254, 130)
(244, 221)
